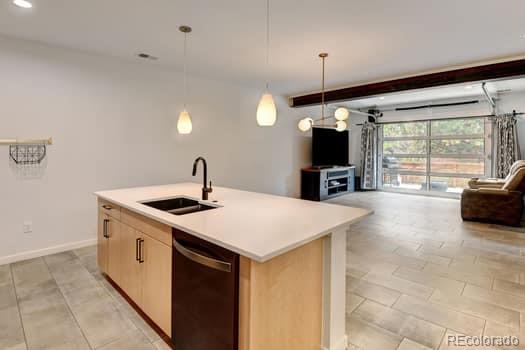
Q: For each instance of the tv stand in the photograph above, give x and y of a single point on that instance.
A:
(322, 183)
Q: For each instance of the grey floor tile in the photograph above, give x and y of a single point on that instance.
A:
(352, 302)
(5, 274)
(47, 320)
(400, 323)
(117, 297)
(161, 345)
(58, 259)
(89, 261)
(478, 308)
(7, 295)
(366, 336)
(139, 322)
(408, 344)
(131, 341)
(101, 326)
(21, 346)
(440, 315)
(91, 305)
(86, 251)
(52, 328)
(11, 332)
(127, 311)
(7, 289)
(31, 278)
(375, 292)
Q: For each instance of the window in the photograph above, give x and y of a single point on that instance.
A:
(435, 155)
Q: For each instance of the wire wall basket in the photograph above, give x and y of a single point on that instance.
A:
(27, 154)
(27, 151)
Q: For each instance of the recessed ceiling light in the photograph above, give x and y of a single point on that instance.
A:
(382, 98)
(469, 87)
(23, 4)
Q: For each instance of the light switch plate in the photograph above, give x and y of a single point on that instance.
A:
(28, 227)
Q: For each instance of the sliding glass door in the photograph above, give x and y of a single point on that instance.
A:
(436, 155)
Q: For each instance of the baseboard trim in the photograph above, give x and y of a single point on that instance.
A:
(340, 345)
(9, 259)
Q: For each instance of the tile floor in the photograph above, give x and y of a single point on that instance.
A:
(62, 302)
(415, 273)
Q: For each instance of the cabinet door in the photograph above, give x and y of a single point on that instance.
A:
(130, 268)
(114, 248)
(156, 283)
(102, 242)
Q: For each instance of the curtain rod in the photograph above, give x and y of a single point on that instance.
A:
(514, 113)
(436, 105)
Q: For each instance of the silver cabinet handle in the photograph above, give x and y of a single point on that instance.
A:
(107, 207)
(201, 259)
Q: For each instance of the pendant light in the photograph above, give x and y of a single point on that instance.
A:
(266, 111)
(340, 125)
(184, 125)
(341, 114)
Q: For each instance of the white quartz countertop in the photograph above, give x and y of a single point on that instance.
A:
(256, 225)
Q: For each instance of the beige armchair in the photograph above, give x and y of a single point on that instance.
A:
(495, 183)
(496, 202)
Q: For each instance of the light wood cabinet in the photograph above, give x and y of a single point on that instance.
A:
(280, 301)
(114, 249)
(135, 252)
(102, 242)
(109, 209)
(131, 269)
(156, 282)
(152, 228)
(108, 245)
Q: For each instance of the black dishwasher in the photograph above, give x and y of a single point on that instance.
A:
(205, 295)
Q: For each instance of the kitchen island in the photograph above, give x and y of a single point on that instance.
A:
(290, 281)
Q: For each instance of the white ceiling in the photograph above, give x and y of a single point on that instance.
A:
(366, 40)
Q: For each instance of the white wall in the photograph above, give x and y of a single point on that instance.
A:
(113, 124)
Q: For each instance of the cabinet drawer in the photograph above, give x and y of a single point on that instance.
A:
(150, 227)
(109, 208)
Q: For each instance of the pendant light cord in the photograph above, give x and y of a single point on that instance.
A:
(185, 87)
(322, 94)
(267, 43)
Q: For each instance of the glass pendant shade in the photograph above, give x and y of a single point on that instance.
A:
(305, 124)
(340, 125)
(341, 113)
(266, 111)
(184, 123)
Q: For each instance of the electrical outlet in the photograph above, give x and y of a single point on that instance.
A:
(28, 227)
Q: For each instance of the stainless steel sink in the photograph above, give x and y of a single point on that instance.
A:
(179, 205)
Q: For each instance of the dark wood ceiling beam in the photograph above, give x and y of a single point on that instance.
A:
(486, 72)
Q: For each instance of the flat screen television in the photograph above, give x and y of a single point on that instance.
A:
(329, 147)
